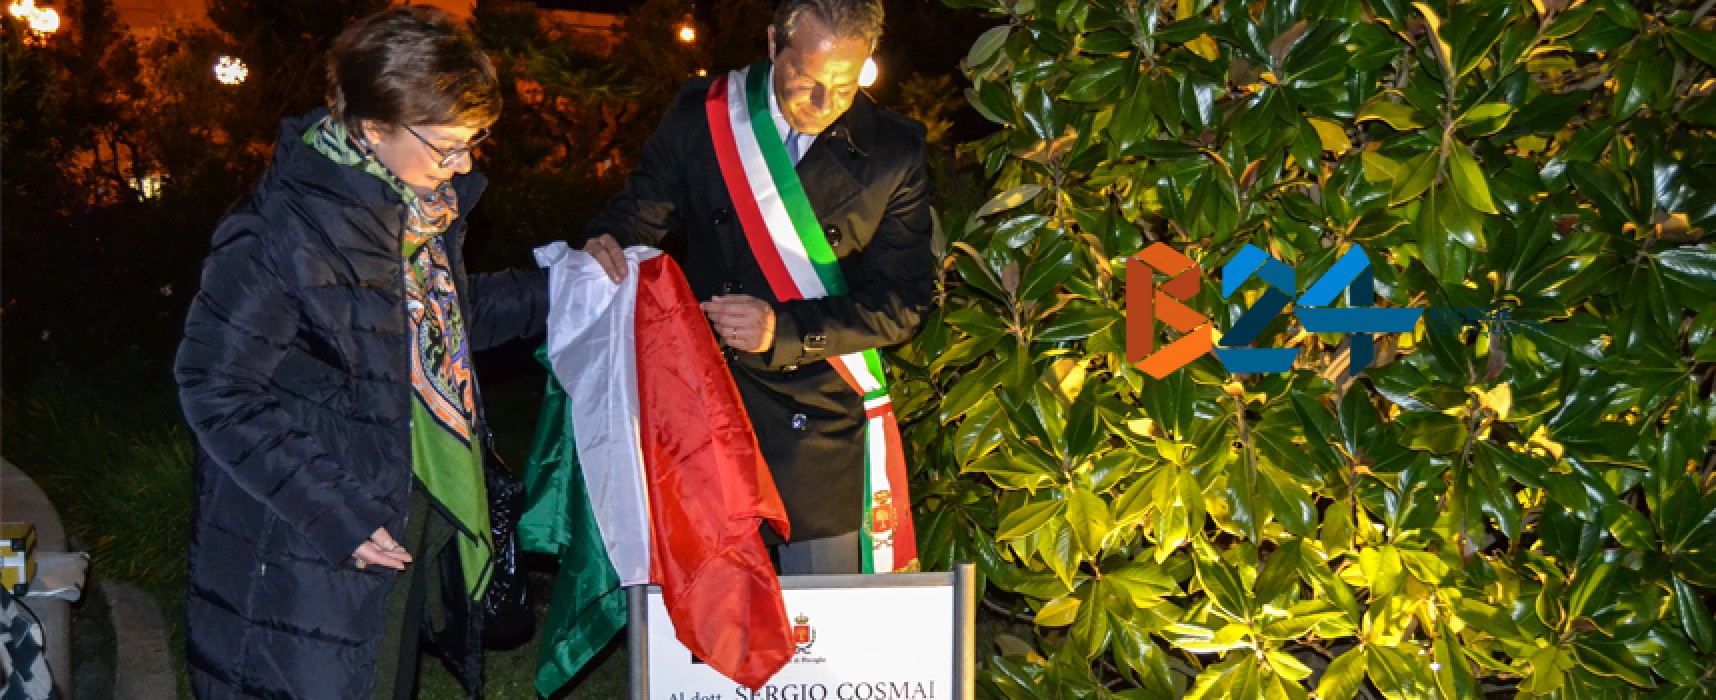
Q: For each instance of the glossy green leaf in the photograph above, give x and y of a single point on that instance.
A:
(969, 392)
(1609, 658)
(1485, 119)
(1469, 180)
(1571, 20)
(1440, 48)
(986, 45)
(1089, 520)
(1291, 504)
(1028, 519)
(1237, 677)
(1181, 515)
(1010, 199)
(1011, 471)
(1289, 668)
(1397, 675)
(1414, 177)
(1344, 676)
(1452, 672)
(1698, 43)
(1048, 268)
(1092, 629)
(1296, 626)
(1640, 79)
(1695, 617)
(1400, 117)
(1221, 581)
(1100, 81)
(1383, 568)
(975, 98)
(1078, 321)
(1059, 550)
(1059, 612)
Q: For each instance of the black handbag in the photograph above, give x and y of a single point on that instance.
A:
(508, 618)
(504, 618)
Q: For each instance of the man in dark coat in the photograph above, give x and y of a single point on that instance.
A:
(295, 373)
(863, 171)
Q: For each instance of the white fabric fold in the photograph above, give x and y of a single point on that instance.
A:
(592, 348)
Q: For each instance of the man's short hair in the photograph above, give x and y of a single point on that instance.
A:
(845, 19)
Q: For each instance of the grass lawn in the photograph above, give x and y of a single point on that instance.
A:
(110, 448)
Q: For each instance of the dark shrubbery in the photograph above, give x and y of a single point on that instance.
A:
(1480, 513)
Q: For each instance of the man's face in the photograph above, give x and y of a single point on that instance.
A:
(816, 74)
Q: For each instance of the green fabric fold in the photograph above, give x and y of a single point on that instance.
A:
(589, 606)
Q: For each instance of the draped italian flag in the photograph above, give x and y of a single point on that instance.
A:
(645, 470)
(786, 238)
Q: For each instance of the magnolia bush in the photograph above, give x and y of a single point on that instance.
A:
(1487, 508)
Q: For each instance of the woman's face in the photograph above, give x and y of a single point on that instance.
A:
(424, 156)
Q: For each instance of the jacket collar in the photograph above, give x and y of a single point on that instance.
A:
(830, 169)
(855, 130)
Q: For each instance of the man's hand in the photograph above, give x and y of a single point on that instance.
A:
(744, 323)
(609, 255)
(382, 550)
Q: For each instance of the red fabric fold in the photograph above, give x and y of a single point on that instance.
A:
(709, 489)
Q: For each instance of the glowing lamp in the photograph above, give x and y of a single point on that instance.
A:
(41, 20)
(230, 71)
(44, 20)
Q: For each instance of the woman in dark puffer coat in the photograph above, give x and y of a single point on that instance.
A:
(326, 375)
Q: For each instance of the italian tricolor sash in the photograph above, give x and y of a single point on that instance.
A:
(784, 234)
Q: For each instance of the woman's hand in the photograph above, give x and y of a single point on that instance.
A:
(609, 255)
(382, 550)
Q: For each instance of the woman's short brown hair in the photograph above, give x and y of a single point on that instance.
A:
(411, 65)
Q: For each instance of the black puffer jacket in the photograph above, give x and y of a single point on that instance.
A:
(294, 374)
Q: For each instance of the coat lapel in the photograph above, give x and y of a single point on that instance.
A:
(828, 180)
(829, 170)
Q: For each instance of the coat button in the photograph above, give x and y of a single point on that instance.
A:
(719, 217)
(815, 341)
(732, 287)
(832, 233)
(799, 421)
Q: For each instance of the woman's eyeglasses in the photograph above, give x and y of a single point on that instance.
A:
(452, 155)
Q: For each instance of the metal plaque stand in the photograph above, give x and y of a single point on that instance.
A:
(963, 580)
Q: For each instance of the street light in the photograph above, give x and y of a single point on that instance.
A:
(42, 20)
(687, 30)
(230, 71)
(45, 21)
(867, 74)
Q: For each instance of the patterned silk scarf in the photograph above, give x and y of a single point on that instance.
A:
(445, 456)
